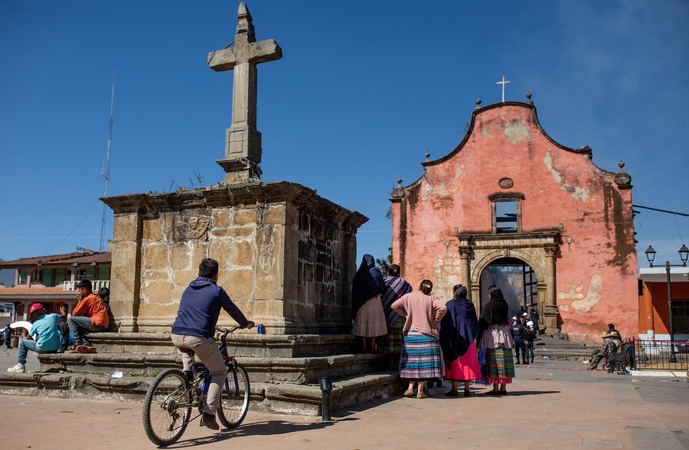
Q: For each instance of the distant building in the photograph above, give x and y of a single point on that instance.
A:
(51, 280)
(654, 317)
(510, 206)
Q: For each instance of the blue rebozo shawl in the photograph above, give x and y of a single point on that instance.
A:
(458, 328)
(395, 287)
(367, 283)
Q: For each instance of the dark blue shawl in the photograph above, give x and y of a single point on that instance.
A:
(368, 282)
(458, 328)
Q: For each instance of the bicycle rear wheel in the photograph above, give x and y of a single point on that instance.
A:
(167, 408)
(234, 402)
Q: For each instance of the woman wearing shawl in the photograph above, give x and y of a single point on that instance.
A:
(395, 287)
(496, 339)
(458, 332)
(367, 310)
(420, 359)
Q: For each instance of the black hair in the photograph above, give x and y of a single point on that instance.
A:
(208, 268)
(426, 287)
(85, 284)
(460, 291)
(394, 270)
(496, 293)
(611, 326)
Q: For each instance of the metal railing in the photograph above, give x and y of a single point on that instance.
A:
(658, 355)
(97, 284)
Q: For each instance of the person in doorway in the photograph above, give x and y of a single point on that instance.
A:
(519, 337)
(44, 327)
(458, 332)
(395, 287)
(367, 309)
(497, 342)
(420, 359)
(89, 315)
(194, 328)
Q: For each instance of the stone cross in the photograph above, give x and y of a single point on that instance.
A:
(243, 140)
(503, 82)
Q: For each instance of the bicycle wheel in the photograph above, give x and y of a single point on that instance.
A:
(234, 402)
(167, 408)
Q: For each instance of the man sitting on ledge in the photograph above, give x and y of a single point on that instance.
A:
(89, 315)
(47, 341)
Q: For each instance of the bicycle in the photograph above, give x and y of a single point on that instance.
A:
(170, 399)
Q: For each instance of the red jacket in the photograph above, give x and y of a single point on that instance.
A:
(93, 307)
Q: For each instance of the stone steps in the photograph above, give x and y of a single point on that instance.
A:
(265, 397)
(261, 370)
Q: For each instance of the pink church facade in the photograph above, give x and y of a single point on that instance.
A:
(509, 195)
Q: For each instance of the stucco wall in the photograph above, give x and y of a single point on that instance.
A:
(596, 260)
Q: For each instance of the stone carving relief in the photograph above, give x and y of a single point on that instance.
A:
(193, 227)
(266, 254)
(582, 303)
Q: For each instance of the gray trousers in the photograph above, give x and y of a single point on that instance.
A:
(207, 351)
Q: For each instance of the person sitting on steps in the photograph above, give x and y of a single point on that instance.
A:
(47, 341)
(88, 315)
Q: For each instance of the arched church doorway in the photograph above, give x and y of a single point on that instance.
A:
(517, 281)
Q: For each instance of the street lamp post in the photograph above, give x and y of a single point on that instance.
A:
(683, 255)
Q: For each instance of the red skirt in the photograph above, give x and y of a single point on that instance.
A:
(465, 368)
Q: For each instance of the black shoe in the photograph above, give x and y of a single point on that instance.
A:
(208, 421)
(451, 394)
(467, 393)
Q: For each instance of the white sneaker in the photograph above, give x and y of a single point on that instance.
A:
(21, 368)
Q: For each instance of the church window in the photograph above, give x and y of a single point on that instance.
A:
(506, 212)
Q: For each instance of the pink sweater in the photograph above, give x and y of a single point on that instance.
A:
(423, 312)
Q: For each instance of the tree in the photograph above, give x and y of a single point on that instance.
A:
(384, 263)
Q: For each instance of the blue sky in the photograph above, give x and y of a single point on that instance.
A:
(363, 90)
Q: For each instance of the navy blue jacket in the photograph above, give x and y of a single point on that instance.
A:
(200, 307)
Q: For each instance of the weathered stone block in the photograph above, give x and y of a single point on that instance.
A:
(157, 292)
(180, 257)
(237, 282)
(156, 257)
(221, 218)
(153, 229)
(245, 216)
(241, 254)
(125, 228)
(274, 215)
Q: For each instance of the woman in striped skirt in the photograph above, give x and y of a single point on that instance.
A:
(420, 359)
(496, 339)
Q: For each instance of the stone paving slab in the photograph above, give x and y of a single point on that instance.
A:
(552, 405)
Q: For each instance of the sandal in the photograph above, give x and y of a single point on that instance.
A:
(409, 393)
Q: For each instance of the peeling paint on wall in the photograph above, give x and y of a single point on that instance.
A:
(514, 131)
(580, 193)
(429, 190)
(583, 303)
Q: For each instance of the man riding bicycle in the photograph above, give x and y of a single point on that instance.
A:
(194, 328)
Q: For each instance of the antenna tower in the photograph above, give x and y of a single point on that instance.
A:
(106, 173)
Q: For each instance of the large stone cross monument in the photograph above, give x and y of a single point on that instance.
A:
(243, 140)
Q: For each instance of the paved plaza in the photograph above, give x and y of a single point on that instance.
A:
(551, 405)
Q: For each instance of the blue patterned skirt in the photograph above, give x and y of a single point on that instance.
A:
(420, 359)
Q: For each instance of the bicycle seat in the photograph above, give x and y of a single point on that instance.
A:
(186, 350)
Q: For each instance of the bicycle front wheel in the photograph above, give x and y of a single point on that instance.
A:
(234, 402)
(167, 408)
